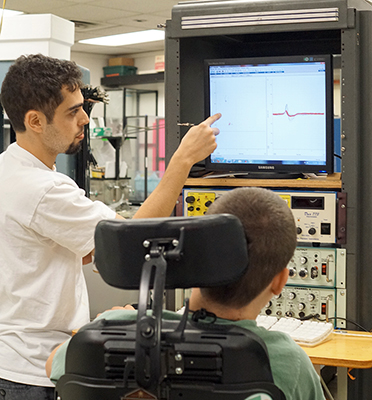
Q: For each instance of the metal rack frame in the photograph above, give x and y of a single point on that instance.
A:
(193, 35)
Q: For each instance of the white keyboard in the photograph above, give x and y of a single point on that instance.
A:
(305, 333)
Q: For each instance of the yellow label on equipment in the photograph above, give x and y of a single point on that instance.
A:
(197, 203)
(286, 198)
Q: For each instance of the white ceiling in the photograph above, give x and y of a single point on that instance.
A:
(103, 18)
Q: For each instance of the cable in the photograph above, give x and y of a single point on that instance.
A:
(135, 129)
(349, 320)
(2, 16)
(310, 316)
(317, 317)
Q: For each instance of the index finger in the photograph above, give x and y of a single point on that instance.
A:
(213, 118)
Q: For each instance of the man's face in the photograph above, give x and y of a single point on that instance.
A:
(66, 132)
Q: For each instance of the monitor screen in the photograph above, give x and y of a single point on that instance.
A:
(277, 114)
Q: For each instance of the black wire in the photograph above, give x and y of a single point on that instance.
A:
(337, 155)
(202, 314)
(317, 317)
(310, 316)
(352, 322)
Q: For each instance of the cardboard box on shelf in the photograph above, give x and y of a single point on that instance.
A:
(121, 61)
(159, 63)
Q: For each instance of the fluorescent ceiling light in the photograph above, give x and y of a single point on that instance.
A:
(10, 13)
(125, 39)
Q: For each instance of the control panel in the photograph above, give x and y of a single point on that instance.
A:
(197, 203)
(315, 213)
(318, 266)
(302, 302)
(317, 275)
(298, 302)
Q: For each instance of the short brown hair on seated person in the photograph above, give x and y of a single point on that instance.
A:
(271, 240)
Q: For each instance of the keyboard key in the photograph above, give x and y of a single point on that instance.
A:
(266, 321)
(306, 333)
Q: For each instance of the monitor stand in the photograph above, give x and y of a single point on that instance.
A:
(255, 175)
(270, 175)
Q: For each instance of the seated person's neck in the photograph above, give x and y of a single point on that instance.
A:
(250, 311)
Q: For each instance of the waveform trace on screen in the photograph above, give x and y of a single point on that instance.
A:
(296, 114)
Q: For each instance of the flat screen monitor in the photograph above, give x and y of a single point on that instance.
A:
(277, 114)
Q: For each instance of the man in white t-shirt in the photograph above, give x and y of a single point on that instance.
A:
(46, 222)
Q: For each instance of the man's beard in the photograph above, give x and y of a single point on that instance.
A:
(74, 148)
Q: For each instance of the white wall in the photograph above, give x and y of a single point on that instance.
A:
(145, 62)
(95, 62)
(36, 33)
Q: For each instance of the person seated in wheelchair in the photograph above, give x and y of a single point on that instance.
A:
(271, 240)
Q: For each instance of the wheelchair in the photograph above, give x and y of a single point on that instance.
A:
(188, 357)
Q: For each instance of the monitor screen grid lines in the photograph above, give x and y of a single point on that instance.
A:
(277, 113)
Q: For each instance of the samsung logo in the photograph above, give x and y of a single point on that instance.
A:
(266, 167)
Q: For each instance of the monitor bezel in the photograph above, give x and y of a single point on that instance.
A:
(276, 167)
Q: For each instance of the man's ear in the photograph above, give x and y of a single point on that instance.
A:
(34, 120)
(279, 281)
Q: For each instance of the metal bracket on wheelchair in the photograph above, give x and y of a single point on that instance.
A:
(148, 369)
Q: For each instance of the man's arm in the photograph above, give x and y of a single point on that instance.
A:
(89, 257)
(58, 369)
(196, 145)
(48, 365)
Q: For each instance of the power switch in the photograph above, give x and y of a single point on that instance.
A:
(324, 308)
(325, 228)
(324, 269)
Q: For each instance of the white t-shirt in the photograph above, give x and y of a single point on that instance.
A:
(46, 227)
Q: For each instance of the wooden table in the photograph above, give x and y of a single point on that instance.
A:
(350, 349)
(344, 349)
(332, 181)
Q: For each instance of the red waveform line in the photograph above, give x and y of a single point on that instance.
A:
(294, 115)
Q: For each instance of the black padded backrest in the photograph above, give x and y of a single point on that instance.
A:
(214, 250)
(211, 362)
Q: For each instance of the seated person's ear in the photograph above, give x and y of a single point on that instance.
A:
(279, 281)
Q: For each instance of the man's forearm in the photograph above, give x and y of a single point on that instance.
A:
(162, 200)
(196, 145)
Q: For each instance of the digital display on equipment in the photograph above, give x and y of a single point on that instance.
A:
(277, 113)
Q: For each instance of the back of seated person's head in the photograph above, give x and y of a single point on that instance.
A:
(271, 240)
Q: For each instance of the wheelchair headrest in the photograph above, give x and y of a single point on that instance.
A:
(202, 251)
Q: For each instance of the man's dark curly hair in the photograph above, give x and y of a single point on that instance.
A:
(34, 82)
